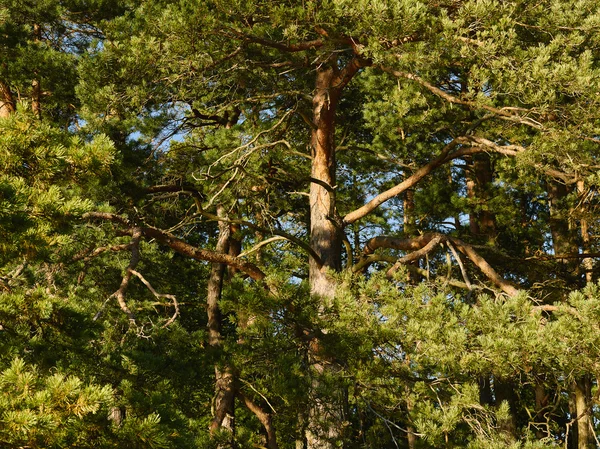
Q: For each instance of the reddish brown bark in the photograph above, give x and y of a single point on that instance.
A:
(265, 419)
(7, 100)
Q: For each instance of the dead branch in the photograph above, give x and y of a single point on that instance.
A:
(160, 295)
(184, 248)
(87, 256)
(461, 265)
(136, 235)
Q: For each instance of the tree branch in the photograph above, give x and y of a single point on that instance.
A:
(184, 248)
(503, 113)
(188, 250)
(424, 241)
(160, 295)
(404, 185)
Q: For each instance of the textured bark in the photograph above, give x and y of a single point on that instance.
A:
(583, 402)
(7, 100)
(325, 236)
(325, 412)
(224, 412)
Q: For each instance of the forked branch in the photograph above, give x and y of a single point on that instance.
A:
(424, 244)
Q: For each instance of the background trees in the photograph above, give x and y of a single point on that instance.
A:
(307, 224)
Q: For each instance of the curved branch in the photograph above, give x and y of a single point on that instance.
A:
(136, 235)
(418, 244)
(415, 255)
(158, 296)
(184, 248)
(503, 113)
(188, 250)
(305, 246)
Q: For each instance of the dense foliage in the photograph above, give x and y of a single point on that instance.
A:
(307, 224)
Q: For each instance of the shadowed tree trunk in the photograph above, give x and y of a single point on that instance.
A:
(36, 93)
(564, 243)
(224, 413)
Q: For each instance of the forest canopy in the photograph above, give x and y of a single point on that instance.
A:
(299, 224)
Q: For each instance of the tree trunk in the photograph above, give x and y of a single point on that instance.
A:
(325, 415)
(36, 92)
(7, 100)
(541, 404)
(482, 221)
(224, 377)
(505, 391)
(564, 243)
(583, 398)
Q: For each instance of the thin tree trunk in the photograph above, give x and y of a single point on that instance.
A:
(564, 243)
(583, 398)
(36, 92)
(587, 263)
(541, 402)
(224, 417)
(479, 178)
(504, 391)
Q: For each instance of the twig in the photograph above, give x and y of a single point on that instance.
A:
(460, 264)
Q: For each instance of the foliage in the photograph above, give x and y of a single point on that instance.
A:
(147, 147)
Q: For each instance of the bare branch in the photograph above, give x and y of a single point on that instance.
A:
(135, 258)
(160, 295)
(461, 265)
(86, 257)
(188, 250)
(184, 248)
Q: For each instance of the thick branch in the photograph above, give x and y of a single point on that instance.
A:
(188, 250)
(404, 185)
(264, 418)
(415, 255)
(347, 73)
